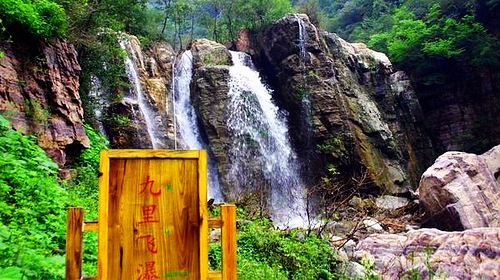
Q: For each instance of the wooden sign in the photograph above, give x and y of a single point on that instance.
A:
(153, 221)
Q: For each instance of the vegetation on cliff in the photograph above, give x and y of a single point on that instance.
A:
(423, 38)
(42, 19)
(33, 203)
(434, 41)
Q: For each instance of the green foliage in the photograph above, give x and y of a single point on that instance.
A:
(32, 207)
(266, 253)
(117, 120)
(90, 157)
(36, 112)
(429, 47)
(83, 192)
(95, 29)
(220, 20)
(301, 93)
(436, 42)
(102, 58)
(41, 18)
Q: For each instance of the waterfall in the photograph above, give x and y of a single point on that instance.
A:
(98, 97)
(306, 106)
(302, 37)
(260, 140)
(137, 93)
(187, 120)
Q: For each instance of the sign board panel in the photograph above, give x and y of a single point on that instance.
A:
(153, 215)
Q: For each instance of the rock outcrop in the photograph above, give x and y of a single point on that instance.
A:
(346, 104)
(124, 118)
(458, 114)
(39, 94)
(471, 254)
(462, 191)
(210, 88)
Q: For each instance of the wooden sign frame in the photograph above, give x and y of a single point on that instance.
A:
(104, 201)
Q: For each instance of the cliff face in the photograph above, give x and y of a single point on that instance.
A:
(464, 115)
(346, 104)
(140, 116)
(39, 94)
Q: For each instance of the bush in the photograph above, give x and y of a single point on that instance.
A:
(42, 18)
(83, 192)
(32, 209)
(266, 253)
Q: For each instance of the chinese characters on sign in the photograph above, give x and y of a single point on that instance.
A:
(147, 271)
(152, 204)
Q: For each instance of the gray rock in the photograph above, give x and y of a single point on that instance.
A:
(372, 225)
(361, 110)
(470, 254)
(355, 270)
(214, 235)
(389, 202)
(460, 191)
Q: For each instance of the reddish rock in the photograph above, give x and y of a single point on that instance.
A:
(245, 42)
(39, 94)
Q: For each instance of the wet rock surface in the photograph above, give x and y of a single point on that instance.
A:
(349, 101)
(125, 122)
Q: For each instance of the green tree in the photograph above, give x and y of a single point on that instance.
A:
(42, 18)
(436, 49)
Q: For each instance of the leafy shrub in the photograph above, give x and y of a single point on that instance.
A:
(32, 209)
(266, 253)
(83, 191)
(42, 18)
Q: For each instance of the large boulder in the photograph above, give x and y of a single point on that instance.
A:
(471, 254)
(39, 94)
(462, 191)
(346, 104)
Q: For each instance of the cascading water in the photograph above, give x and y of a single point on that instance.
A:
(97, 94)
(187, 120)
(260, 139)
(302, 37)
(137, 93)
(306, 106)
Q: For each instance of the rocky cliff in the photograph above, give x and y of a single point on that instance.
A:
(346, 104)
(463, 115)
(39, 94)
(140, 115)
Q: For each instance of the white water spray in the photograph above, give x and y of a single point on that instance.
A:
(137, 93)
(260, 139)
(187, 120)
(302, 37)
(98, 96)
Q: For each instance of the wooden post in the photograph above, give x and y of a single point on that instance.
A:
(202, 197)
(102, 241)
(228, 240)
(74, 252)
